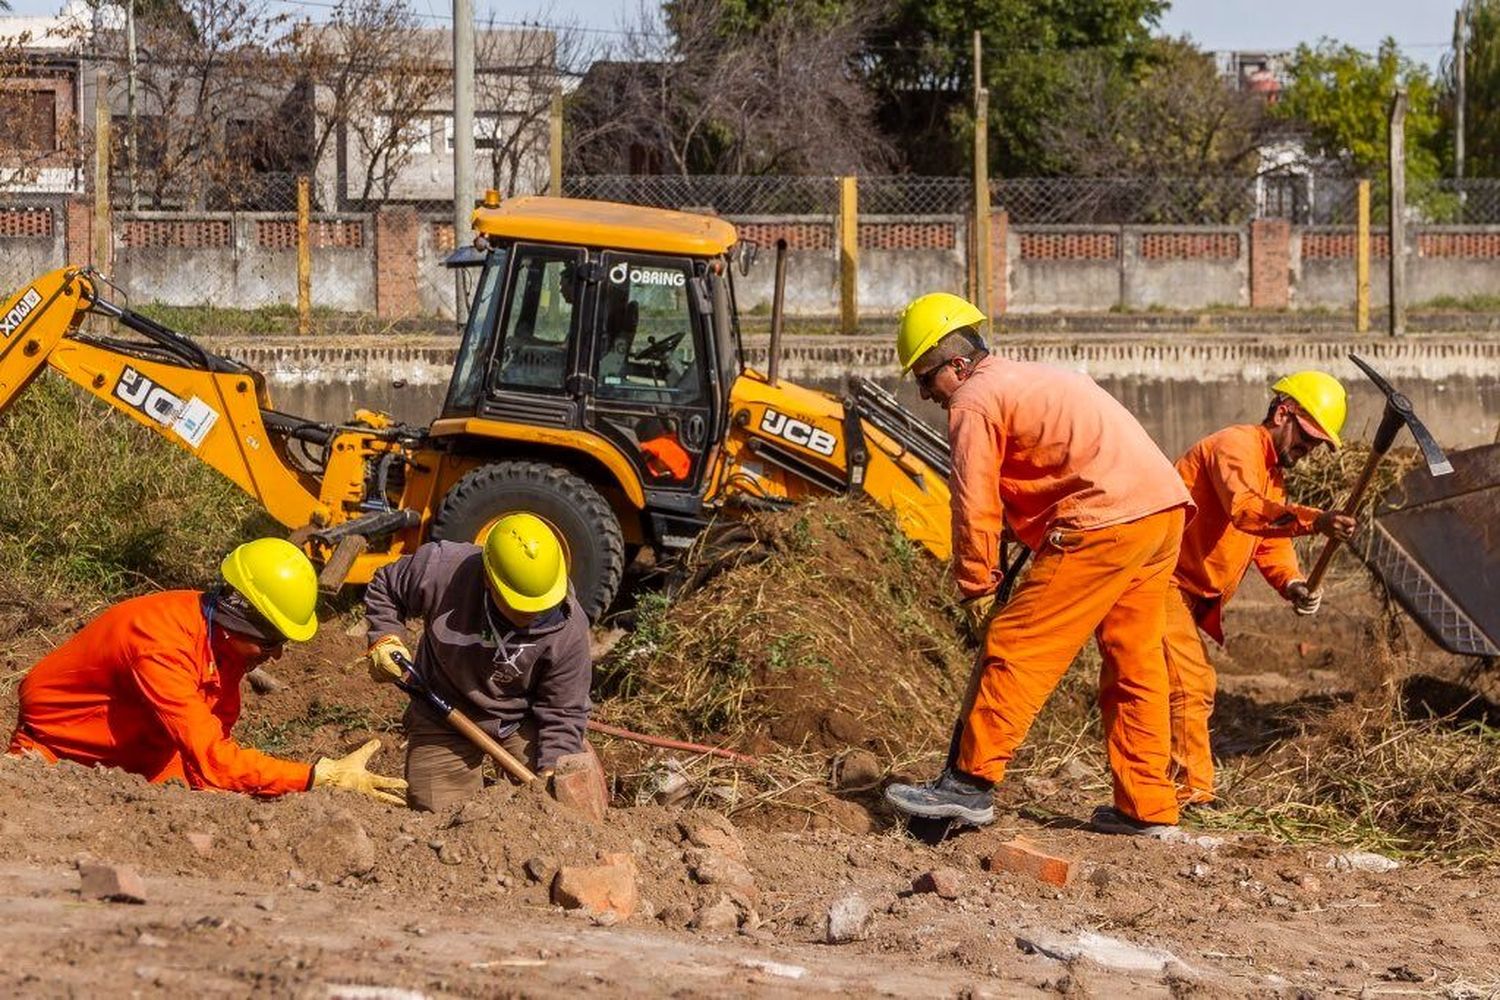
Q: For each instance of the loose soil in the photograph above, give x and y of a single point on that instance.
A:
(839, 674)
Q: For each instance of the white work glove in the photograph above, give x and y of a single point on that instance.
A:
(1304, 601)
(382, 656)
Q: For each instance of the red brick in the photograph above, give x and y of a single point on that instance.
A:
(1022, 857)
(578, 783)
(597, 888)
(395, 261)
(115, 883)
(798, 235)
(944, 882)
(1190, 246)
(1270, 264)
(79, 232)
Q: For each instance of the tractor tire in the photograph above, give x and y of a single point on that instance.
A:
(590, 531)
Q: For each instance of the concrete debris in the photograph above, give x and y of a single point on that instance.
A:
(713, 868)
(472, 811)
(711, 831)
(203, 843)
(720, 915)
(112, 883)
(856, 771)
(539, 869)
(352, 991)
(334, 846)
(848, 920)
(774, 968)
(665, 784)
(1111, 953)
(1362, 861)
(944, 882)
(606, 888)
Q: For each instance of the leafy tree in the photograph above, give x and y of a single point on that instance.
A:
(1339, 97)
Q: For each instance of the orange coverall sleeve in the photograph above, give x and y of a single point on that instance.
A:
(978, 514)
(210, 759)
(1238, 478)
(1277, 562)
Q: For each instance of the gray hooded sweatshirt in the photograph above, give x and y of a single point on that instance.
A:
(475, 658)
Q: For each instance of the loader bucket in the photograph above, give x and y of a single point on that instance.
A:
(1435, 544)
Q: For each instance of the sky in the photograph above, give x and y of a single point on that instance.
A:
(1423, 28)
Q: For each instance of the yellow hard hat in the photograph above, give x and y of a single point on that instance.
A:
(1322, 397)
(929, 319)
(279, 581)
(524, 561)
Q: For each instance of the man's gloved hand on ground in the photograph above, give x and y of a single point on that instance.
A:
(1332, 524)
(382, 656)
(978, 611)
(1304, 601)
(351, 773)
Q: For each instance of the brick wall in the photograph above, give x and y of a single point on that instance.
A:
(79, 229)
(1190, 246)
(395, 262)
(1089, 246)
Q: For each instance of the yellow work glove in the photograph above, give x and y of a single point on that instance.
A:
(382, 657)
(977, 611)
(350, 773)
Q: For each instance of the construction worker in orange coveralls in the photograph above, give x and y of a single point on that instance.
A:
(1075, 477)
(152, 685)
(1236, 479)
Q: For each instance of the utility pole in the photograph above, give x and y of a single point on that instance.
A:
(555, 149)
(981, 185)
(463, 138)
(1398, 212)
(130, 85)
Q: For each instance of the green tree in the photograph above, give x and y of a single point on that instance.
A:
(1482, 85)
(1340, 96)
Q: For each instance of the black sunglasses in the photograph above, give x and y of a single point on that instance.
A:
(925, 379)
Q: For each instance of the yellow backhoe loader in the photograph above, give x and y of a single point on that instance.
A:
(598, 383)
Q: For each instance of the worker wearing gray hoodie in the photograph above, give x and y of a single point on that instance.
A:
(505, 641)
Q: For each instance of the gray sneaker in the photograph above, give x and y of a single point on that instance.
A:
(954, 795)
(1108, 819)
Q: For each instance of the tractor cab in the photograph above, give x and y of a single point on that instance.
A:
(599, 319)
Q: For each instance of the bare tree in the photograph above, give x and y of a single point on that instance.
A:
(519, 71)
(782, 95)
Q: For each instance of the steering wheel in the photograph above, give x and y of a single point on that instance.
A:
(658, 350)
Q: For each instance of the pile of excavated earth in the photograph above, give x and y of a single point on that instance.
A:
(821, 644)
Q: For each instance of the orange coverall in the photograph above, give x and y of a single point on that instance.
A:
(1078, 480)
(137, 688)
(1243, 517)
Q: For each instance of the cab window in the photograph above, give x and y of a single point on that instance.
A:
(645, 344)
(538, 324)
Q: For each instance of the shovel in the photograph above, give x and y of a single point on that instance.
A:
(1398, 414)
(412, 685)
(934, 831)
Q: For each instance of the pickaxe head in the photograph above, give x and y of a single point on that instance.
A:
(1399, 412)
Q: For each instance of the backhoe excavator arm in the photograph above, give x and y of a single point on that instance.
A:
(209, 405)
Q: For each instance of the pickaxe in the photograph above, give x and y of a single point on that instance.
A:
(412, 685)
(1398, 413)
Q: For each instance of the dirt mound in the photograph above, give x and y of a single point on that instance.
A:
(827, 629)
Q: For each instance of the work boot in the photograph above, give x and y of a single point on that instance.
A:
(1108, 819)
(953, 795)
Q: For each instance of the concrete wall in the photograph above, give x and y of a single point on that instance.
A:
(34, 241)
(230, 259)
(390, 262)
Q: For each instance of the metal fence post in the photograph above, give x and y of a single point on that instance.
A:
(304, 257)
(1362, 258)
(555, 152)
(848, 255)
(1398, 213)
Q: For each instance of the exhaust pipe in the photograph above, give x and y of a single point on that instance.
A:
(778, 302)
